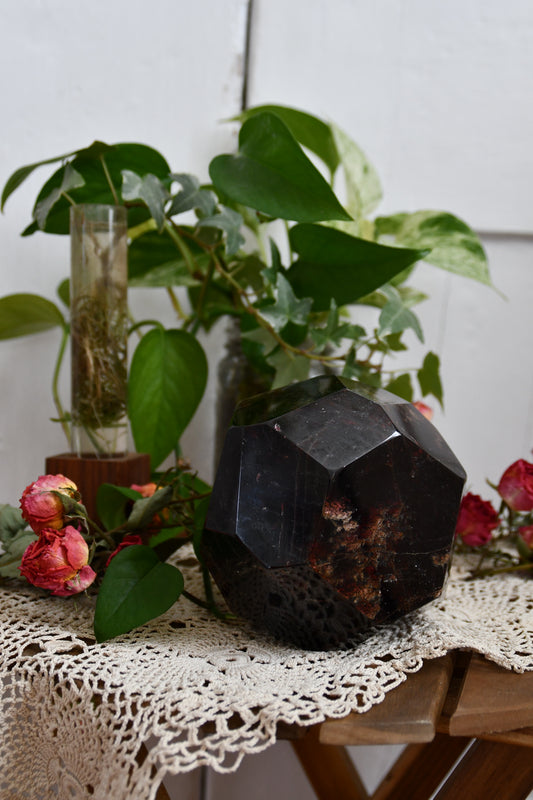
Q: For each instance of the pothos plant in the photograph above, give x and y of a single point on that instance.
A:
(268, 243)
(289, 295)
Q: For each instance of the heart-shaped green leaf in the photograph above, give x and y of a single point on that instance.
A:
(136, 588)
(333, 264)
(362, 182)
(24, 314)
(454, 245)
(272, 174)
(112, 503)
(96, 149)
(95, 167)
(167, 380)
(154, 260)
(310, 131)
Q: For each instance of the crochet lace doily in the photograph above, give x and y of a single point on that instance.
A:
(74, 714)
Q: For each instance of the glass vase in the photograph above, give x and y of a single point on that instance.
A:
(99, 325)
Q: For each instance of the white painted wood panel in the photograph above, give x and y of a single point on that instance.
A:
(165, 75)
(437, 94)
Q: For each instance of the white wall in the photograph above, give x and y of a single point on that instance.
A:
(438, 95)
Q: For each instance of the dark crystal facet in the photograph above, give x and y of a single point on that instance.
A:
(333, 509)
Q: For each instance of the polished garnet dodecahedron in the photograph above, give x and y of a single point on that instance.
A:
(333, 509)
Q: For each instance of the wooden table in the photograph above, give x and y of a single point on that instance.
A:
(468, 726)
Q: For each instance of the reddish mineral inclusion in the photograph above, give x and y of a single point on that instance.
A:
(333, 509)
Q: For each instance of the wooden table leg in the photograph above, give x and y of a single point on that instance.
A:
(329, 769)
(491, 769)
(419, 770)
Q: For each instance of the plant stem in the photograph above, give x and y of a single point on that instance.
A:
(498, 571)
(110, 182)
(96, 531)
(201, 299)
(55, 383)
(176, 305)
(172, 231)
(250, 308)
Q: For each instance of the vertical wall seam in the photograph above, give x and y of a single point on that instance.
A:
(246, 59)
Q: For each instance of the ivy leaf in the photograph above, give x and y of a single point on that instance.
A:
(393, 342)
(310, 131)
(360, 372)
(19, 176)
(96, 164)
(429, 377)
(287, 307)
(136, 588)
(230, 223)
(334, 264)
(322, 336)
(150, 190)
(167, 380)
(14, 550)
(349, 331)
(11, 522)
(411, 296)
(396, 317)
(70, 180)
(154, 260)
(402, 387)
(191, 196)
(25, 314)
(272, 174)
(289, 367)
(454, 245)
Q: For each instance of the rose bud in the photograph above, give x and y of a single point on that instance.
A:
(477, 519)
(58, 561)
(127, 541)
(145, 489)
(516, 486)
(425, 410)
(526, 534)
(41, 506)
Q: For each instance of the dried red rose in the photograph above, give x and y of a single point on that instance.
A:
(477, 519)
(516, 486)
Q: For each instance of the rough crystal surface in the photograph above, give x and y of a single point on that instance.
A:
(333, 509)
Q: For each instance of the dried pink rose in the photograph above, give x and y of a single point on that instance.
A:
(41, 506)
(58, 561)
(477, 519)
(516, 486)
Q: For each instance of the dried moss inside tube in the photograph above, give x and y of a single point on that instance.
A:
(99, 329)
